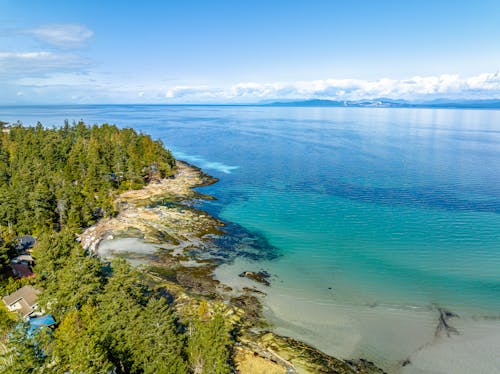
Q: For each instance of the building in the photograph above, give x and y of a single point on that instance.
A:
(23, 301)
(22, 266)
(23, 259)
(25, 242)
(22, 270)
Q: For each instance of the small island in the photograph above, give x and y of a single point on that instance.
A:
(100, 239)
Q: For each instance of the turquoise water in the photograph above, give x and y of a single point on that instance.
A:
(364, 206)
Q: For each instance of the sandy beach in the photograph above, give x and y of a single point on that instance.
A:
(398, 338)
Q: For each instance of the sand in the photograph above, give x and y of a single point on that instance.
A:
(389, 335)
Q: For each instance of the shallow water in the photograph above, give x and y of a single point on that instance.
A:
(377, 214)
(135, 250)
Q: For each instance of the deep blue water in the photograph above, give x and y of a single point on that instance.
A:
(398, 206)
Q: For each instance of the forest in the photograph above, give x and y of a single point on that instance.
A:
(52, 178)
(109, 319)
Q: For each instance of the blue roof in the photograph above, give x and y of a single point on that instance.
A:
(39, 322)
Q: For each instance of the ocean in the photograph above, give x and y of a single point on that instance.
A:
(379, 218)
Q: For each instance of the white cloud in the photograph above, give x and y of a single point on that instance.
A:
(61, 35)
(4, 56)
(80, 86)
(37, 61)
(193, 91)
(483, 86)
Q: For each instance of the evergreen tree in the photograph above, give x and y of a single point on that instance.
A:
(209, 343)
(28, 352)
(119, 307)
(75, 346)
(155, 343)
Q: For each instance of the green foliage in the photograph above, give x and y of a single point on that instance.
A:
(4, 260)
(7, 250)
(158, 348)
(53, 183)
(75, 347)
(13, 284)
(65, 177)
(119, 306)
(69, 278)
(139, 335)
(209, 343)
(26, 352)
(7, 320)
(51, 252)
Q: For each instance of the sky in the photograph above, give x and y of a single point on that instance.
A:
(169, 52)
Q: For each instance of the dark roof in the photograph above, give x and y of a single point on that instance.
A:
(26, 241)
(22, 270)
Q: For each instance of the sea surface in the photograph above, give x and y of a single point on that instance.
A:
(378, 217)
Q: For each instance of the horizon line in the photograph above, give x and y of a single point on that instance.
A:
(439, 103)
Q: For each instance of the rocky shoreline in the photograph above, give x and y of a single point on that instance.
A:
(162, 214)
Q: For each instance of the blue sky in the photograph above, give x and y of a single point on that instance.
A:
(246, 51)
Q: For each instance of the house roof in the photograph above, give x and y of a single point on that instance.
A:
(27, 293)
(46, 320)
(25, 309)
(39, 322)
(26, 241)
(22, 270)
(20, 258)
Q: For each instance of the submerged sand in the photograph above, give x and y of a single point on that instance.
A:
(412, 339)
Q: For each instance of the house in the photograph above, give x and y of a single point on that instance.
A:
(22, 266)
(25, 242)
(25, 259)
(21, 270)
(23, 301)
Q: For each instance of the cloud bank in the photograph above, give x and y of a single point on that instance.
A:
(482, 86)
(65, 78)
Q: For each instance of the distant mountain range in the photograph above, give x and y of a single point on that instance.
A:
(390, 103)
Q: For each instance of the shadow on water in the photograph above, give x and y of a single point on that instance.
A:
(240, 242)
(231, 241)
(234, 241)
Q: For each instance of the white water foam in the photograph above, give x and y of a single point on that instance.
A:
(205, 164)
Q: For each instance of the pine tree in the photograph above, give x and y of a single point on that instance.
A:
(209, 343)
(75, 347)
(155, 343)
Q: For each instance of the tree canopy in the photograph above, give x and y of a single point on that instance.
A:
(53, 183)
(52, 178)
